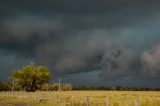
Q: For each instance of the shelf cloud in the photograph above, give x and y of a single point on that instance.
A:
(117, 38)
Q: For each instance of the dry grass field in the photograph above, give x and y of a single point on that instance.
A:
(81, 98)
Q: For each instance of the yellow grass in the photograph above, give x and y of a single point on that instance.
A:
(79, 98)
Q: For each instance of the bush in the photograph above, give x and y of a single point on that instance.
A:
(63, 87)
(66, 87)
(5, 86)
(54, 87)
(45, 87)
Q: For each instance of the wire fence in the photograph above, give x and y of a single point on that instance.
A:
(78, 100)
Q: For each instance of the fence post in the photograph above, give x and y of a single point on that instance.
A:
(136, 102)
(107, 102)
(58, 98)
(35, 96)
(50, 98)
(87, 101)
(72, 100)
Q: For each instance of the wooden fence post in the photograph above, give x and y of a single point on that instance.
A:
(136, 102)
(35, 96)
(50, 97)
(58, 98)
(72, 100)
(107, 102)
(87, 101)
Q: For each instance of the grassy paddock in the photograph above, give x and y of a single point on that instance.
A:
(80, 98)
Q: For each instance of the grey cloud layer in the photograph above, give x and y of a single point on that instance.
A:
(151, 63)
(118, 38)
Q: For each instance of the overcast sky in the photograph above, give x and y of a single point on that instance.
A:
(103, 42)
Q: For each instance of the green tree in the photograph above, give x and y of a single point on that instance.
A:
(5, 86)
(31, 77)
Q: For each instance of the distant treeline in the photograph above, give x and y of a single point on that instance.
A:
(8, 86)
(117, 88)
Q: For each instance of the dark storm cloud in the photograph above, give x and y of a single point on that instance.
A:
(74, 36)
(74, 6)
(151, 63)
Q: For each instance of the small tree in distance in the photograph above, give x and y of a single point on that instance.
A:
(31, 77)
(63, 87)
(67, 87)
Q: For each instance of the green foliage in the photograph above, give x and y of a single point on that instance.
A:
(66, 87)
(5, 86)
(44, 87)
(54, 87)
(63, 87)
(31, 77)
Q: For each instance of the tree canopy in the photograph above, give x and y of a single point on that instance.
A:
(31, 77)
